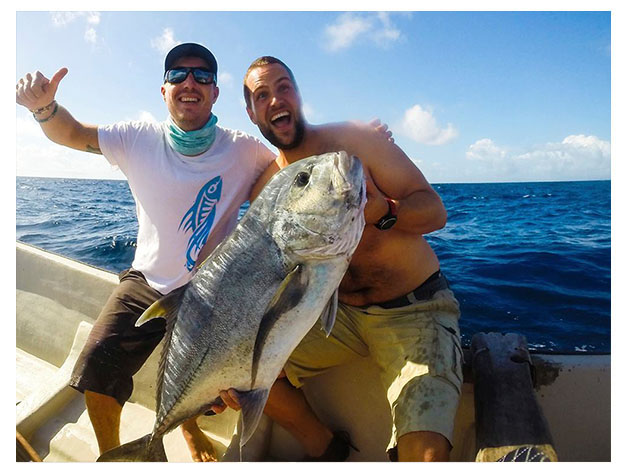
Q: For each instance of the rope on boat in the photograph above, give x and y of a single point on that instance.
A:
(24, 452)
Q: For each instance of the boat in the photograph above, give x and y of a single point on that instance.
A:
(58, 299)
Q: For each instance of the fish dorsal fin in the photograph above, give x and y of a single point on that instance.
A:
(287, 296)
(327, 318)
(252, 404)
(163, 308)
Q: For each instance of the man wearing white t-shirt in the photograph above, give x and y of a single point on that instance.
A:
(188, 177)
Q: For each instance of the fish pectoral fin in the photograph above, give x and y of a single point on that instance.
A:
(287, 296)
(162, 308)
(252, 404)
(327, 318)
(289, 292)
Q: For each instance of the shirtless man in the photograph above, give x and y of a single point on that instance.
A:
(394, 302)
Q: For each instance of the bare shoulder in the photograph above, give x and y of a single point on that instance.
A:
(363, 140)
(334, 129)
(393, 172)
(352, 136)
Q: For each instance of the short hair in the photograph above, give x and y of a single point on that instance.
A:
(264, 61)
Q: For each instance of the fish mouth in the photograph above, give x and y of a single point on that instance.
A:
(349, 171)
(362, 195)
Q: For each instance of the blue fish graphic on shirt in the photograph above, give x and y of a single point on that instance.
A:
(199, 219)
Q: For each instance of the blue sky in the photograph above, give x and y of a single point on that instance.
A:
(470, 96)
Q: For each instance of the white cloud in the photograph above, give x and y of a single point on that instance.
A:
(165, 42)
(27, 128)
(91, 36)
(388, 33)
(142, 116)
(486, 150)
(61, 19)
(351, 27)
(225, 79)
(92, 19)
(41, 157)
(36, 155)
(146, 116)
(344, 32)
(308, 112)
(577, 157)
(420, 125)
(52, 160)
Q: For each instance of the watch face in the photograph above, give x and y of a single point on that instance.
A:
(387, 223)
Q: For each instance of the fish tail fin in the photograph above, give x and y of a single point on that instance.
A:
(252, 403)
(146, 449)
(156, 451)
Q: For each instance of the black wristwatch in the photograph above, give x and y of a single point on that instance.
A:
(389, 220)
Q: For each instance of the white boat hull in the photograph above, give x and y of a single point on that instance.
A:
(55, 294)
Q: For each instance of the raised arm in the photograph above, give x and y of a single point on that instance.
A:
(375, 125)
(37, 93)
(392, 174)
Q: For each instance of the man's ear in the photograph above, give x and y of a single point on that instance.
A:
(251, 115)
(163, 92)
(216, 93)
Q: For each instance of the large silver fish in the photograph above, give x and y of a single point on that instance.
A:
(259, 292)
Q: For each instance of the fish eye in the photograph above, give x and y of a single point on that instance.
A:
(302, 179)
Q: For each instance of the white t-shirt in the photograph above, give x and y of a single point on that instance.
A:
(179, 199)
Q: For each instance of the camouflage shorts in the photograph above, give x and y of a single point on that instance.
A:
(416, 347)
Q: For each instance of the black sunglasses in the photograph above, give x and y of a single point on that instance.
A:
(178, 75)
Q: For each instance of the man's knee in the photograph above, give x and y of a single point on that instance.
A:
(423, 446)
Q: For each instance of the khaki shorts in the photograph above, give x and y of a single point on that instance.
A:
(417, 348)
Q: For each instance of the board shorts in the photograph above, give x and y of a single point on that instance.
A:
(115, 349)
(415, 345)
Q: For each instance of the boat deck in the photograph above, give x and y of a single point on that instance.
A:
(57, 300)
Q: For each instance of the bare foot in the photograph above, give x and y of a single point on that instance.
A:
(198, 443)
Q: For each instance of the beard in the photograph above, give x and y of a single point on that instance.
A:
(299, 133)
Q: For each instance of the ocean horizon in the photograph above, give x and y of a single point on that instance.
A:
(431, 183)
(526, 257)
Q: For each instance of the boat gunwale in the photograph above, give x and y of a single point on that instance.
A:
(465, 348)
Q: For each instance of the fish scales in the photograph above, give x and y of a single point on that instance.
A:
(255, 297)
(216, 313)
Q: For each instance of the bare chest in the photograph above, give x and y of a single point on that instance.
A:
(385, 265)
(373, 262)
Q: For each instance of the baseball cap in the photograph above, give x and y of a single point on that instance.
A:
(191, 49)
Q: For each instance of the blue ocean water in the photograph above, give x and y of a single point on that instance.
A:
(532, 258)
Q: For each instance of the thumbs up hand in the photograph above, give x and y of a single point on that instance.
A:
(34, 91)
